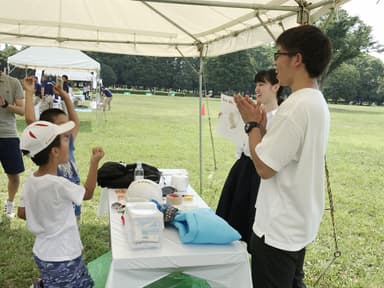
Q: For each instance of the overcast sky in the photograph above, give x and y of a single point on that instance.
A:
(371, 12)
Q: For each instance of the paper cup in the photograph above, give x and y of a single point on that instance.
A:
(180, 182)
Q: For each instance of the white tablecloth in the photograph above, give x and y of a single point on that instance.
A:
(221, 265)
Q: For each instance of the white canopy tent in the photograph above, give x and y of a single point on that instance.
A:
(199, 28)
(57, 61)
(154, 27)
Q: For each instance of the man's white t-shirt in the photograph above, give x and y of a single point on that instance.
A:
(290, 204)
(48, 202)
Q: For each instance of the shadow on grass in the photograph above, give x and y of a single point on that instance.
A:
(17, 267)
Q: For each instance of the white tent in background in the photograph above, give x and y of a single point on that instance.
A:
(57, 61)
(198, 28)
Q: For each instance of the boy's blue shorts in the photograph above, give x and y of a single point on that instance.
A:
(69, 274)
(77, 209)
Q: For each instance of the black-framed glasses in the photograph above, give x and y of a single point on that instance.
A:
(277, 54)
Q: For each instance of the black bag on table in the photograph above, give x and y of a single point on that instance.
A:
(120, 175)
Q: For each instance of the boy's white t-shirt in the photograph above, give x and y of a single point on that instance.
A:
(290, 204)
(48, 202)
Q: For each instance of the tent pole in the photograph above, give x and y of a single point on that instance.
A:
(200, 120)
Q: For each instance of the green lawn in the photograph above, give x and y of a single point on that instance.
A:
(163, 131)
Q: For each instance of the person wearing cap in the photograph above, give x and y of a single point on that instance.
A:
(46, 204)
(57, 116)
(11, 103)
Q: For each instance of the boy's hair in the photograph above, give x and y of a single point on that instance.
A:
(270, 76)
(311, 43)
(42, 157)
(51, 114)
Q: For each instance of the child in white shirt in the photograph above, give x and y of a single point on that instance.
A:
(47, 205)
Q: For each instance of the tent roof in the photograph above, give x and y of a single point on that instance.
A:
(153, 27)
(53, 58)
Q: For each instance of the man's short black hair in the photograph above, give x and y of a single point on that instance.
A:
(311, 43)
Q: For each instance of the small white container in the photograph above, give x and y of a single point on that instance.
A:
(144, 224)
(180, 182)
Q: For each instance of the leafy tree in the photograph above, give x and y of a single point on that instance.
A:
(343, 84)
(16, 72)
(108, 75)
(5, 53)
(262, 57)
(186, 74)
(380, 92)
(232, 72)
(371, 70)
(350, 38)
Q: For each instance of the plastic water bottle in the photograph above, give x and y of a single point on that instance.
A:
(139, 171)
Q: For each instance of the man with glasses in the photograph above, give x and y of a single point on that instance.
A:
(290, 160)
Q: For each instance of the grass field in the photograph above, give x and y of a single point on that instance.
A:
(163, 131)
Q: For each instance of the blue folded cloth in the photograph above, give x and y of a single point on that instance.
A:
(202, 226)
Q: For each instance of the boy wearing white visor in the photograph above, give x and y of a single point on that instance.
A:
(47, 204)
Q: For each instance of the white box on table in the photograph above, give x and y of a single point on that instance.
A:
(144, 225)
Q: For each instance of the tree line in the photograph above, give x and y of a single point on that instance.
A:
(352, 77)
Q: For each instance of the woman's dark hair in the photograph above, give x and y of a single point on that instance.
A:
(49, 115)
(42, 157)
(270, 76)
(314, 46)
(266, 76)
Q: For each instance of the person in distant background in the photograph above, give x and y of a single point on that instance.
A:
(47, 93)
(107, 98)
(66, 86)
(86, 90)
(11, 103)
(37, 89)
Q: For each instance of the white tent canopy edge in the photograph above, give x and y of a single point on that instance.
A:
(156, 27)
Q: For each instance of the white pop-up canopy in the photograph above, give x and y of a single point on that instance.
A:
(54, 59)
(154, 27)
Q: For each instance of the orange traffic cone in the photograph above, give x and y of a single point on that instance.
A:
(202, 110)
